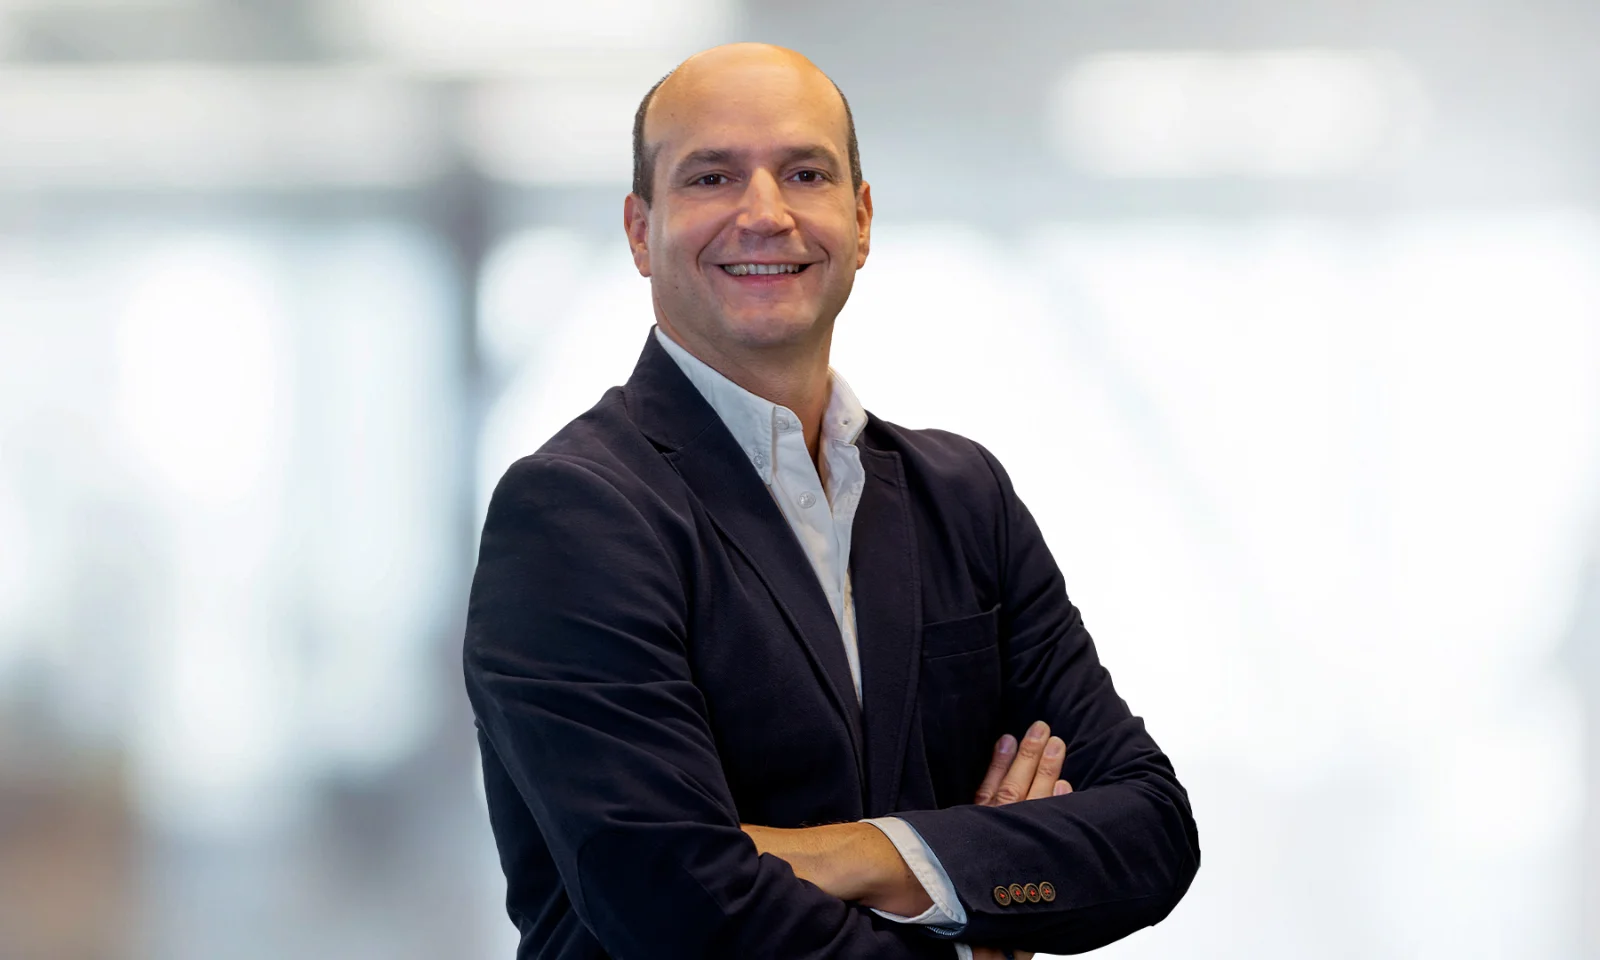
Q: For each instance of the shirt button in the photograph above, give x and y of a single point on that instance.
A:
(760, 460)
(784, 422)
(807, 500)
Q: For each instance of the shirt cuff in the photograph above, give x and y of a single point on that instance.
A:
(947, 911)
(963, 952)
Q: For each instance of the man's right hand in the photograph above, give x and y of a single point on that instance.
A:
(1016, 774)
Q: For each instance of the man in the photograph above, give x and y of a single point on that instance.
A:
(739, 651)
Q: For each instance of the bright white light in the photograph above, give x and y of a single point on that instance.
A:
(200, 392)
(189, 126)
(1308, 113)
(375, 557)
(475, 34)
(16, 566)
(528, 283)
(550, 131)
(591, 345)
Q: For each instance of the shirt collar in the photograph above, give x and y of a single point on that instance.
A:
(753, 420)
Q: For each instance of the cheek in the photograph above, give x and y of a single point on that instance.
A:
(685, 237)
(839, 231)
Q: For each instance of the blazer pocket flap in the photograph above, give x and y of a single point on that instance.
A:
(946, 638)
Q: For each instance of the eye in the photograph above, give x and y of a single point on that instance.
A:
(708, 180)
(811, 176)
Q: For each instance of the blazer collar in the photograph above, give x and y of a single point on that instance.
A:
(753, 419)
(672, 413)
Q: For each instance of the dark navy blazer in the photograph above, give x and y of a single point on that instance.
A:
(652, 661)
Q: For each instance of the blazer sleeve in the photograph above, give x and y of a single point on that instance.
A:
(1122, 848)
(576, 667)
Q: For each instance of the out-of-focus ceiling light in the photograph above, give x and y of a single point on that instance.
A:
(549, 132)
(183, 126)
(1288, 113)
(501, 34)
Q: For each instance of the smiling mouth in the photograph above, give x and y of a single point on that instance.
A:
(762, 269)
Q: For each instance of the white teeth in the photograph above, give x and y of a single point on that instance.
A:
(741, 269)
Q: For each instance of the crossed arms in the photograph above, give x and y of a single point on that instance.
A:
(587, 698)
(855, 861)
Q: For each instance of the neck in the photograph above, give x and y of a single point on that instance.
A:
(790, 375)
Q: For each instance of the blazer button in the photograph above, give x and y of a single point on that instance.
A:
(1017, 895)
(1031, 891)
(1002, 896)
(1047, 891)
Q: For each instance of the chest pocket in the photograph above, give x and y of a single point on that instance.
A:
(960, 701)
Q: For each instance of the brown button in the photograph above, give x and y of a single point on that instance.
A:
(1031, 891)
(1016, 893)
(1047, 891)
(1002, 896)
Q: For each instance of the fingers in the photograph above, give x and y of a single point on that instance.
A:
(1018, 780)
(999, 763)
(1045, 777)
(1027, 771)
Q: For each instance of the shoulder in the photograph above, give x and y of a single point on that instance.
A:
(598, 477)
(600, 447)
(941, 458)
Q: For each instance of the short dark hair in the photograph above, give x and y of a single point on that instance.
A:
(644, 161)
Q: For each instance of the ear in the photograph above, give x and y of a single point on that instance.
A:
(863, 223)
(636, 222)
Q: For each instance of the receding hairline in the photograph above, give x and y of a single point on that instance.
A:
(647, 152)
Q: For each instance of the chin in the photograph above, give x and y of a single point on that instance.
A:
(770, 331)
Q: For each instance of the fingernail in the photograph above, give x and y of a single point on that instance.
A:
(1037, 731)
(1061, 788)
(1056, 748)
(1008, 743)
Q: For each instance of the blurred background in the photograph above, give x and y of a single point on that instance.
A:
(1284, 316)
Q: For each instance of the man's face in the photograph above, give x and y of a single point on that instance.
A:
(751, 177)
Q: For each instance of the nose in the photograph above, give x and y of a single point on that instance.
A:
(763, 210)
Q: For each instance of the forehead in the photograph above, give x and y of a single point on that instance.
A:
(744, 107)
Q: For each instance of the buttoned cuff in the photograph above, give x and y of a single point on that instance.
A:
(947, 916)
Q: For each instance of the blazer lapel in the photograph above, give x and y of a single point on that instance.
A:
(671, 412)
(886, 587)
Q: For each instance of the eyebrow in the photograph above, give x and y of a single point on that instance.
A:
(716, 156)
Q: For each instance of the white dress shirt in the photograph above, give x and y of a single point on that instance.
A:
(821, 510)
